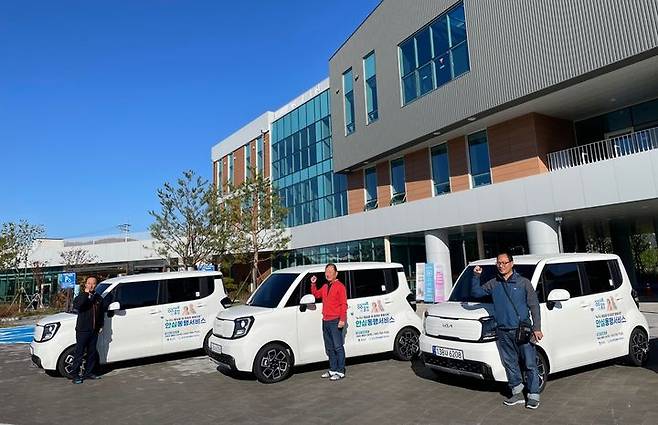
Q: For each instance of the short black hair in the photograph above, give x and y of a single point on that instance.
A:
(92, 276)
(331, 265)
(506, 252)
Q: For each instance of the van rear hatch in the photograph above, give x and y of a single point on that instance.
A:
(460, 321)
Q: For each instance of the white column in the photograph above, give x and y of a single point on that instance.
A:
(437, 251)
(542, 234)
(387, 249)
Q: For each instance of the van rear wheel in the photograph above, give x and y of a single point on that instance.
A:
(273, 363)
(638, 347)
(542, 370)
(406, 346)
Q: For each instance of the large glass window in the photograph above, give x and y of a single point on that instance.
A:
(478, 155)
(231, 168)
(436, 54)
(220, 177)
(370, 82)
(440, 169)
(302, 168)
(371, 188)
(397, 182)
(348, 90)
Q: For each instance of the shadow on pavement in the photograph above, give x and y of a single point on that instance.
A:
(103, 369)
(424, 372)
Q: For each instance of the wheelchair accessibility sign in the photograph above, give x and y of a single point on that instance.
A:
(66, 280)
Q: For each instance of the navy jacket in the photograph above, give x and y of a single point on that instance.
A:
(90, 311)
(522, 293)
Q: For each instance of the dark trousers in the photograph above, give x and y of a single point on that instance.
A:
(333, 345)
(511, 355)
(85, 342)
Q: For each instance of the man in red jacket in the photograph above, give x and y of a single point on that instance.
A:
(334, 316)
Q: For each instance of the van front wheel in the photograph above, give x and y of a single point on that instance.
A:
(406, 346)
(638, 347)
(273, 363)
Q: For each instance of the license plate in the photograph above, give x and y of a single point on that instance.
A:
(448, 353)
(216, 348)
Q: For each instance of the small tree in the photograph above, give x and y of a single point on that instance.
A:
(255, 217)
(20, 238)
(189, 224)
(7, 251)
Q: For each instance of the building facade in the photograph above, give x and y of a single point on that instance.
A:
(466, 127)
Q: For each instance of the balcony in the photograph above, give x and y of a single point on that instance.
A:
(627, 144)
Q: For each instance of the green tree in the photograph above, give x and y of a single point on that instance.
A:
(255, 218)
(190, 223)
(7, 251)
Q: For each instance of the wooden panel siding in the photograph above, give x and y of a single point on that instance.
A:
(418, 175)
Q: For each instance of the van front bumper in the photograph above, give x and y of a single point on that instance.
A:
(481, 360)
(231, 354)
(43, 355)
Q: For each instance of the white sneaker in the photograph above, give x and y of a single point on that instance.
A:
(337, 376)
(327, 374)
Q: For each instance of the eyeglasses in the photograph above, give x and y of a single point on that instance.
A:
(502, 263)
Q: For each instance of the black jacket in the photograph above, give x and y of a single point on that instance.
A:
(90, 312)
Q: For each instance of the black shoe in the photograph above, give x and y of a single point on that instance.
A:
(77, 380)
(92, 376)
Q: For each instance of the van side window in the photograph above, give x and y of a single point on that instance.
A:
(368, 283)
(562, 276)
(615, 271)
(137, 294)
(599, 276)
(392, 279)
(184, 289)
(206, 286)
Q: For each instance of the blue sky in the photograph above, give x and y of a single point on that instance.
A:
(103, 101)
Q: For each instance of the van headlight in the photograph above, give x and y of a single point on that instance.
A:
(488, 329)
(242, 326)
(49, 331)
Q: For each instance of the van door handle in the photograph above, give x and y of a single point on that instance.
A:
(200, 305)
(152, 312)
(388, 302)
(584, 305)
(619, 298)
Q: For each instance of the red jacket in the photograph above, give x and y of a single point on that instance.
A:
(334, 300)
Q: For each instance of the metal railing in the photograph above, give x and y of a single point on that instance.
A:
(627, 144)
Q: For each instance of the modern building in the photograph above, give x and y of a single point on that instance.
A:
(462, 128)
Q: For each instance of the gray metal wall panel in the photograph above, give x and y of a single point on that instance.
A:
(516, 48)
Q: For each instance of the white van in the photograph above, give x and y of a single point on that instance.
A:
(589, 313)
(147, 315)
(281, 324)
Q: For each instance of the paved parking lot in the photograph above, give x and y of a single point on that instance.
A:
(378, 390)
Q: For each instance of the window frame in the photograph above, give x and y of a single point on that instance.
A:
(434, 184)
(404, 182)
(371, 116)
(471, 179)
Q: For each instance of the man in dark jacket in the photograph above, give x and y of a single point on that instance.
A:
(506, 288)
(89, 306)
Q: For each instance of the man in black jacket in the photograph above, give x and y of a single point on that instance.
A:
(89, 306)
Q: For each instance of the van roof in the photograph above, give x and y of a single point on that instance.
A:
(534, 259)
(159, 276)
(341, 267)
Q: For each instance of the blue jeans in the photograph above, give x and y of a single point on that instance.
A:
(513, 355)
(333, 345)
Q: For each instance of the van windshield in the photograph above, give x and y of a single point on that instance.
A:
(270, 292)
(462, 289)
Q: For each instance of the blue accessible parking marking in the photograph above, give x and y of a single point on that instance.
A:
(16, 335)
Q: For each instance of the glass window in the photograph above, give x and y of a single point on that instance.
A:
(185, 289)
(371, 188)
(599, 276)
(397, 180)
(562, 276)
(247, 161)
(440, 36)
(368, 283)
(260, 155)
(445, 41)
(478, 154)
(220, 177)
(440, 169)
(137, 294)
(645, 113)
(348, 102)
(370, 82)
(231, 176)
(270, 292)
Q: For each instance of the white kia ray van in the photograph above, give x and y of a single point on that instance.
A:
(281, 324)
(147, 315)
(589, 313)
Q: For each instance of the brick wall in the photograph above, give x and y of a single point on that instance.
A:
(238, 166)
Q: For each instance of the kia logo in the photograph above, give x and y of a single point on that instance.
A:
(447, 325)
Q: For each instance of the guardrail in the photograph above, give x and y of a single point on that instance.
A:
(627, 144)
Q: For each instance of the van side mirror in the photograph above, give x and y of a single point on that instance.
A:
(556, 296)
(112, 308)
(306, 301)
